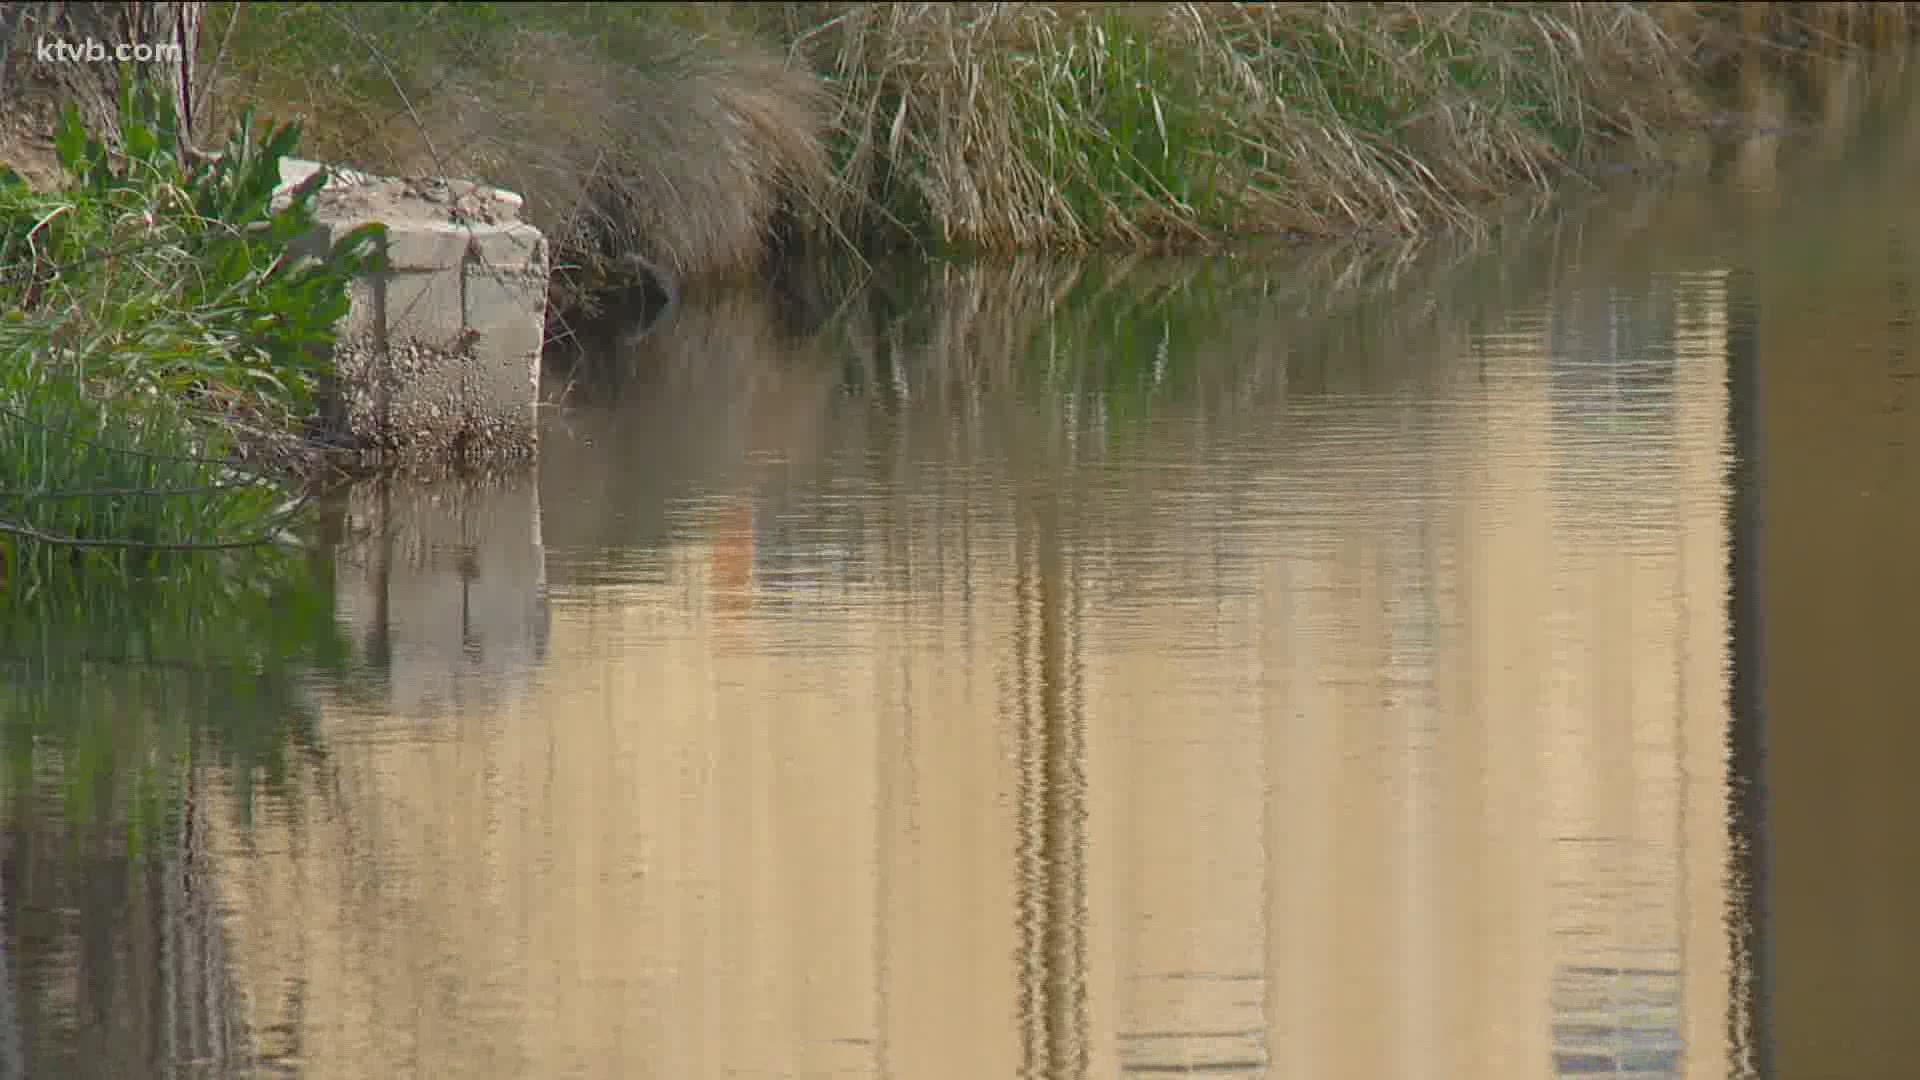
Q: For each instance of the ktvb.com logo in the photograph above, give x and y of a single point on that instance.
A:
(93, 51)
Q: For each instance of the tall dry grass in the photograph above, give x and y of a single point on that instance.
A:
(693, 139)
(658, 138)
(1010, 126)
(686, 162)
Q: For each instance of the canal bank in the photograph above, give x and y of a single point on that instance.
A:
(1077, 666)
(655, 148)
(703, 137)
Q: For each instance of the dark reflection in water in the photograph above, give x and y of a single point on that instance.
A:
(129, 727)
(1052, 795)
(1749, 1027)
(1841, 596)
(1288, 665)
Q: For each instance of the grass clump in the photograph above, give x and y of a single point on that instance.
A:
(159, 333)
(659, 138)
(687, 141)
(1052, 125)
(1017, 126)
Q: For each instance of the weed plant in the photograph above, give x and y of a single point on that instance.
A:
(159, 325)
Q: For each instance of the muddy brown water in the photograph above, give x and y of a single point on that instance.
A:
(1487, 663)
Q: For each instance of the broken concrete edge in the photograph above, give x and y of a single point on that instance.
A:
(296, 171)
(438, 358)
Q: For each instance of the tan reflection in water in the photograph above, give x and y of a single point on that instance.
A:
(733, 557)
(1390, 745)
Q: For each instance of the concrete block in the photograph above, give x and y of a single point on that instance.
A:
(425, 307)
(506, 310)
(364, 321)
(511, 347)
(513, 248)
(495, 379)
(425, 246)
(294, 170)
(440, 353)
(491, 298)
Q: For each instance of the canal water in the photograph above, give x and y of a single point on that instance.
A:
(1486, 661)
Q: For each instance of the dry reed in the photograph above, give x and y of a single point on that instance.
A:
(692, 140)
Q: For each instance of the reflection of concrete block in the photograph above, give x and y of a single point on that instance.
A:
(451, 578)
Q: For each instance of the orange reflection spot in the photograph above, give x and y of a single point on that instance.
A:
(732, 562)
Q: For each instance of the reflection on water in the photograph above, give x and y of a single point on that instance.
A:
(1278, 666)
(1349, 734)
(123, 729)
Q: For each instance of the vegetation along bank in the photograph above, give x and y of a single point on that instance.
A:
(157, 335)
(695, 139)
(163, 353)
